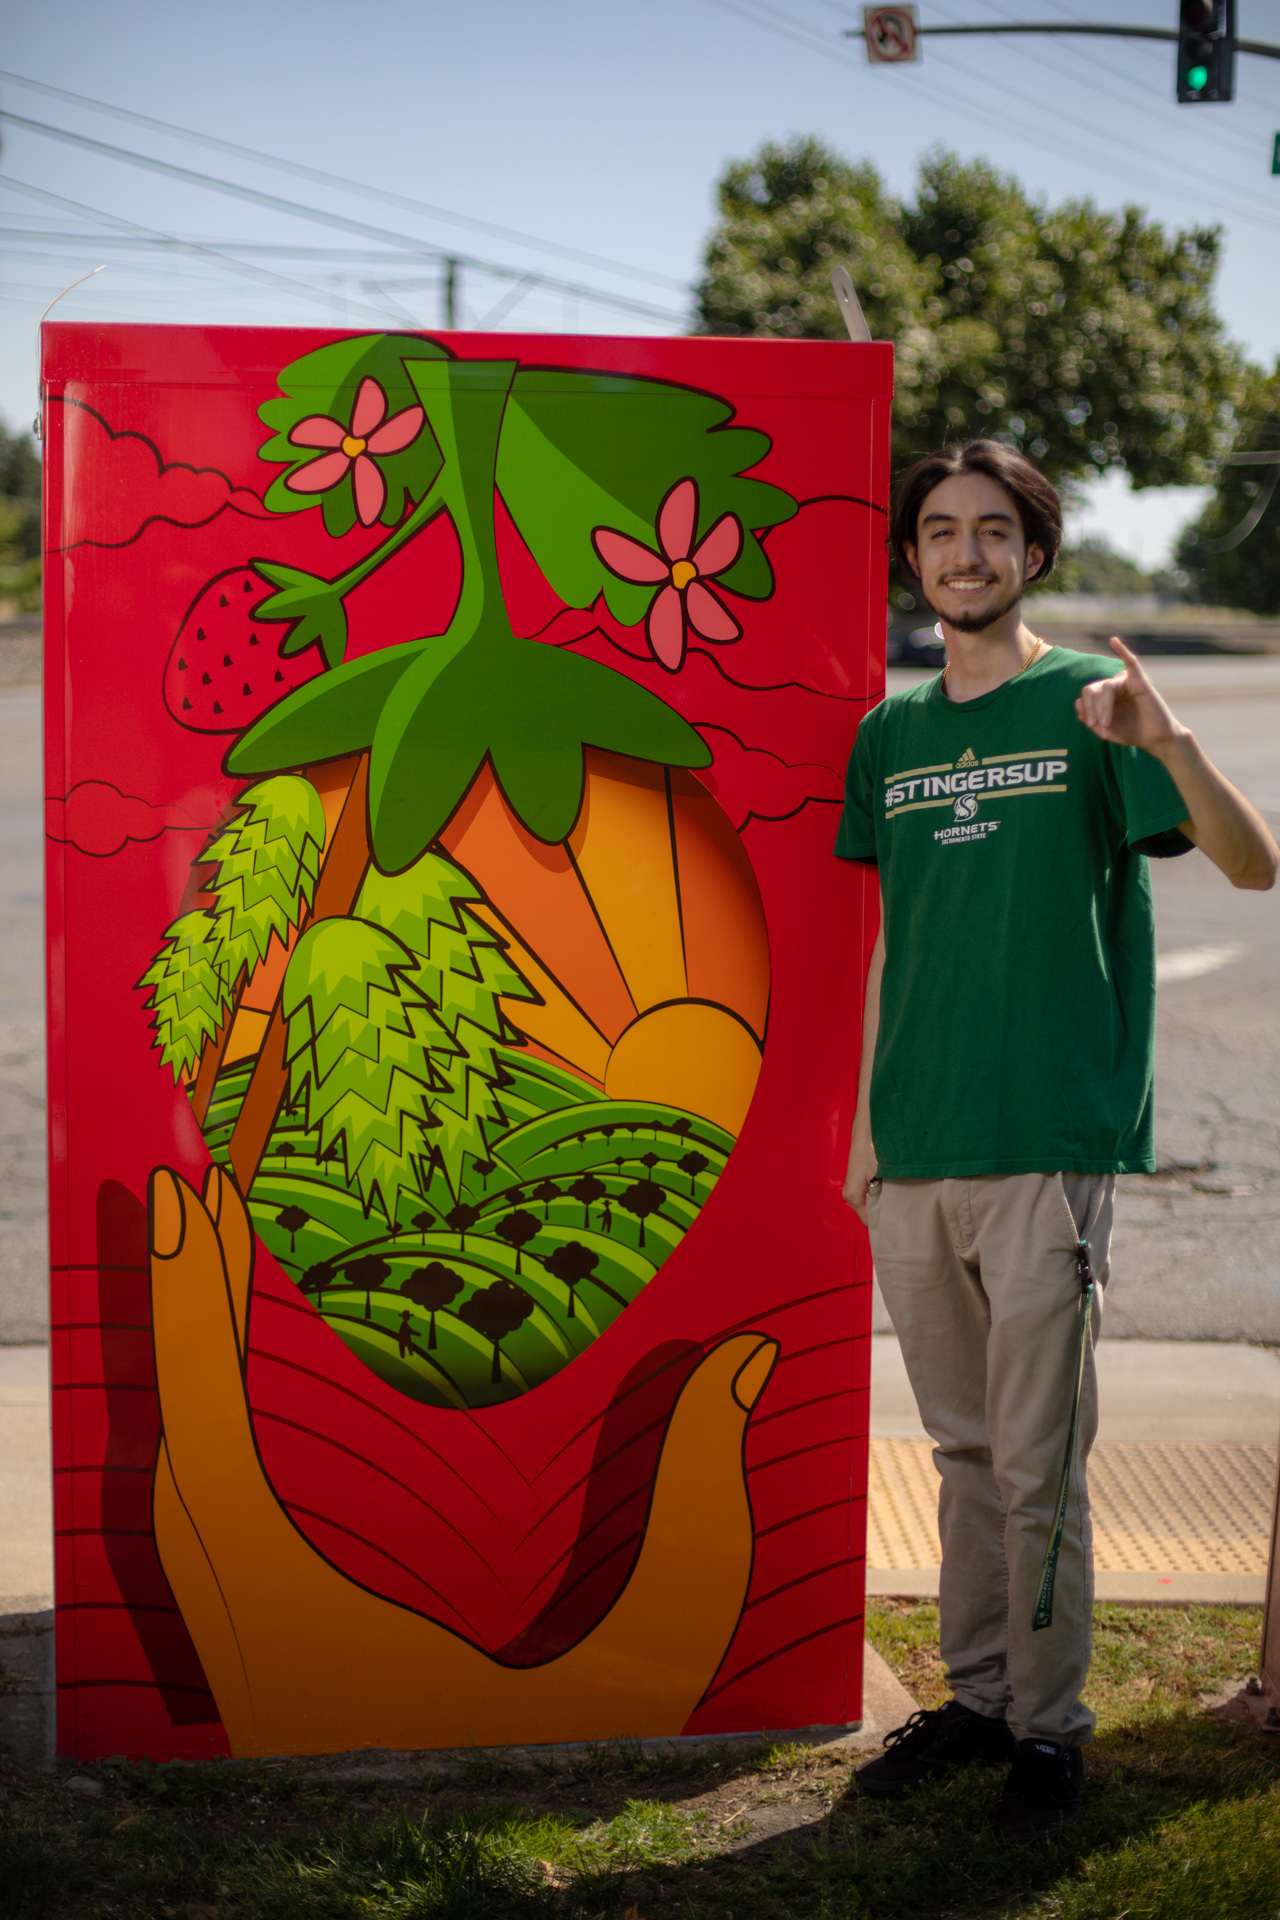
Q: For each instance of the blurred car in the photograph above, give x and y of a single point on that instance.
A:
(916, 647)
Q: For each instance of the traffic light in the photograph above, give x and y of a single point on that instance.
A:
(1206, 50)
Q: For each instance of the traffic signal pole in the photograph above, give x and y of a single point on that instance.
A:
(1264, 48)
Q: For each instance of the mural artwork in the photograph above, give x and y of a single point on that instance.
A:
(459, 1337)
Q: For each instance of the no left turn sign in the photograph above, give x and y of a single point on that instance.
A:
(892, 35)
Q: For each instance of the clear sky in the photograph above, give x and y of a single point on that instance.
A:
(599, 129)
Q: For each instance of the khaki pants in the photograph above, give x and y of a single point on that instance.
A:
(980, 1279)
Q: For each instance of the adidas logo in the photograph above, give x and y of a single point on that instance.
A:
(968, 758)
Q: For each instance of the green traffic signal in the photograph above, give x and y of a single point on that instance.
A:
(1197, 78)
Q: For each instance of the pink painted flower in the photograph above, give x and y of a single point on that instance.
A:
(370, 433)
(684, 604)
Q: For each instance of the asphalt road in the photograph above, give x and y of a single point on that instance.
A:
(1197, 1251)
(23, 1279)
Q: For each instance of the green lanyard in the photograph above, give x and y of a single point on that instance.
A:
(1043, 1615)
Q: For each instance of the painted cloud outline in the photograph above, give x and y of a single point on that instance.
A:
(753, 784)
(99, 819)
(129, 470)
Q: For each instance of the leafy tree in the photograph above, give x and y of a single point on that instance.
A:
(368, 1272)
(572, 1263)
(1088, 339)
(546, 1191)
(495, 1311)
(1246, 573)
(20, 519)
(292, 1220)
(190, 991)
(318, 1279)
(267, 862)
(361, 1052)
(461, 1219)
(1092, 565)
(693, 1164)
(588, 1188)
(518, 1229)
(642, 1199)
(431, 1288)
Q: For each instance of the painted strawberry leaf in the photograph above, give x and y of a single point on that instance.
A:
(350, 430)
(562, 478)
(312, 605)
(335, 713)
(531, 710)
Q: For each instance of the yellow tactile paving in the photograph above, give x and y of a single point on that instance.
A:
(1156, 1509)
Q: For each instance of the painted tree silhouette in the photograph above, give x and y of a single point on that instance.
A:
(693, 1164)
(642, 1199)
(423, 1221)
(368, 1272)
(432, 1288)
(588, 1188)
(461, 1219)
(317, 1278)
(683, 1125)
(649, 1160)
(494, 1312)
(292, 1219)
(518, 1229)
(572, 1263)
(547, 1192)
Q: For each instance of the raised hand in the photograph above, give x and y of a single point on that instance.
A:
(267, 1612)
(1125, 709)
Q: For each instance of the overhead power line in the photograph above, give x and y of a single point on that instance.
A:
(346, 185)
(297, 209)
(152, 235)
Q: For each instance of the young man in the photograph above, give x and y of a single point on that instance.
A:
(1006, 1079)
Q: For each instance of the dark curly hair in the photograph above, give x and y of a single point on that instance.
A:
(1039, 508)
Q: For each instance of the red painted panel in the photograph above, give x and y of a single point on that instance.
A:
(704, 608)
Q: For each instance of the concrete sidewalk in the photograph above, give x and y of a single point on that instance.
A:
(26, 1502)
(1182, 1477)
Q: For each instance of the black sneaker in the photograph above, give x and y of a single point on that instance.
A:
(933, 1743)
(1044, 1792)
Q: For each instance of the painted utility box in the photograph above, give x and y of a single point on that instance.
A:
(454, 1006)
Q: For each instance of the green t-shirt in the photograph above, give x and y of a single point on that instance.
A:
(1017, 1012)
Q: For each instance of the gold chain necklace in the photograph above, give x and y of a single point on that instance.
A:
(1033, 655)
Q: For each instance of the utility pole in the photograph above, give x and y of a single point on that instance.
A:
(451, 287)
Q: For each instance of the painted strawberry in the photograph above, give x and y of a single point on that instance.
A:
(224, 670)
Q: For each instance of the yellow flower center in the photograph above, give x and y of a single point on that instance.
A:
(682, 573)
(351, 446)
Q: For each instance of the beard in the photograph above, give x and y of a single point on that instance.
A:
(979, 622)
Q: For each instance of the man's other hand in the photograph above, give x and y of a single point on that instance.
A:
(861, 1170)
(1125, 709)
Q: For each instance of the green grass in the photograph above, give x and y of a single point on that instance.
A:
(1182, 1821)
